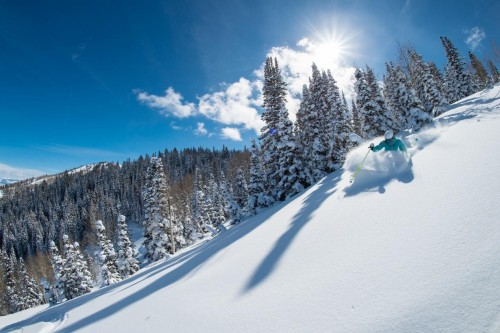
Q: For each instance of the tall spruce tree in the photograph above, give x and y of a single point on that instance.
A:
(458, 82)
(284, 169)
(427, 88)
(408, 104)
(57, 293)
(155, 194)
(481, 77)
(77, 278)
(371, 105)
(107, 258)
(12, 291)
(495, 75)
(127, 262)
(256, 184)
(340, 124)
(32, 294)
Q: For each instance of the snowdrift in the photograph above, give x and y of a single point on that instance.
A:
(411, 246)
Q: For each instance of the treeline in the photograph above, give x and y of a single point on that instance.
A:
(179, 197)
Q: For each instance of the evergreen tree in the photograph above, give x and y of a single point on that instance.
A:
(437, 76)
(319, 124)
(57, 294)
(31, 295)
(495, 75)
(371, 106)
(198, 201)
(481, 77)
(284, 170)
(458, 83)
(407, 105)
(12, 292)
(340, 120)
(256, 185)
(355, 119)
(240, 189)
(155, 195)
(174, 229)
(426, 87)
(107, 257)
(231, 205)
(77, 278)
(127, 262)
(304, 132)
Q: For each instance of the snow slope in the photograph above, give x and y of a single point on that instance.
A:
(414, 250)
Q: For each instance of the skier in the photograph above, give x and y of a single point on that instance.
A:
(390, 143)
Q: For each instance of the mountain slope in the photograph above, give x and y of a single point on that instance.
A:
(403, 249)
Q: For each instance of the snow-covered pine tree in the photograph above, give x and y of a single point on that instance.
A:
(319, 127)
(481, 77)
(12, 292)
(106, 257)
(256, 197)
(274, 96)
(340, 120)
(407, 104)
(198, 201)
(191, 232)
(217, 212)
(127, 261)
(231, 205)
(284, 170)
(154, 195)
(32, 293)
(371, 106)
(355, 118)
(458, 82)
(437, 76)
(58, 264)
(389, 80)
(426, 87)
(495, 75)
(240, 189)
(174, 229)
(303, 132)
(78, 280)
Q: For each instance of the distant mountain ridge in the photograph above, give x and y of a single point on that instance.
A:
(6, 181)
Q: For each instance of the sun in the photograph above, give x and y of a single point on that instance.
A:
(332, 45)
(329, 51)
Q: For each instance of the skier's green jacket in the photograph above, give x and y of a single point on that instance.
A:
(390, 144)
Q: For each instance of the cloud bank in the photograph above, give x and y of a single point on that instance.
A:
(238, 103)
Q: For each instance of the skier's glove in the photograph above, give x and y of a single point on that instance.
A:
(371, 146)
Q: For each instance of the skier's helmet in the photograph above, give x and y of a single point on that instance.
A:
(388, 135)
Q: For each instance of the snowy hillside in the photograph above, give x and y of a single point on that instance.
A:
(411, 248)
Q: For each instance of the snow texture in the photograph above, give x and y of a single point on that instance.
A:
(419, 256)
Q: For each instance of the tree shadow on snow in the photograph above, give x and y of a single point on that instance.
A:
(310, 204)
(178, 268)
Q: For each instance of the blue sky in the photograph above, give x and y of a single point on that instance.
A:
(89, 81)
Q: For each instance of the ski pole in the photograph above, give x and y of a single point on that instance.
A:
(359, 168)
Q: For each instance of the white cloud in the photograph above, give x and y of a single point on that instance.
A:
(175, 126)
(474, 37)
(236, 105)
(239, 103)
(170, 104)
(231, 133)
(201, 130)
(10, 172)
